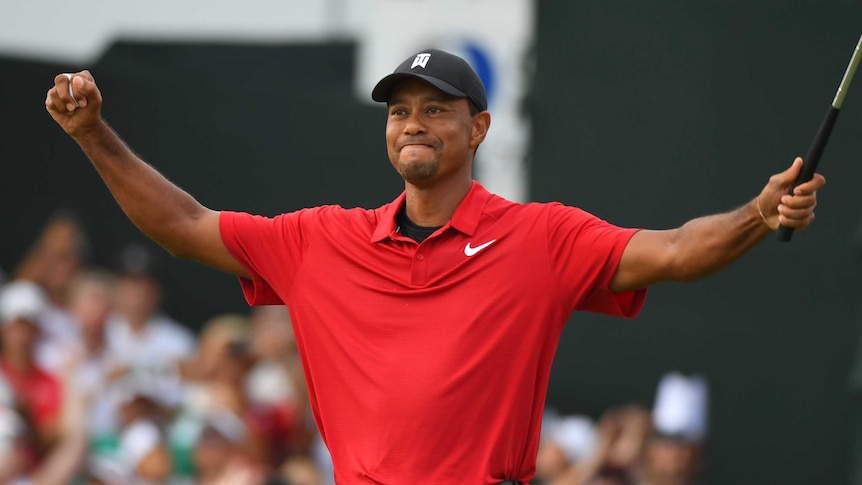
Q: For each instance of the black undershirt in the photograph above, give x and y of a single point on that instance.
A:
(410, 229)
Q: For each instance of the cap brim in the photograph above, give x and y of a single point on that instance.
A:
(383, 90)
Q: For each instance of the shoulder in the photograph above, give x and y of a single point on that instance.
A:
(498, 207)
(306, 217)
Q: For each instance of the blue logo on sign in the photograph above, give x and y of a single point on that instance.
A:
(480, 60)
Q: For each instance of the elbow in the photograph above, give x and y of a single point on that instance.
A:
(681, 263)
(175, 243)
(176, 252)
(178, 248)
(182, 239)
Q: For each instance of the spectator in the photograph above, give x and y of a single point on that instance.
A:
(620, 441)
(143, 451)
(140, 338)
(612, 457)
(220, 451)
(90, 300)
(12, 428)
(674, 452)
(214, 383)
(38, 393)
(567, 443)
(218, 370)
(52, 262)
(275, 386)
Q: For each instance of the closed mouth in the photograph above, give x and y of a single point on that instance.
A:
(416, 143)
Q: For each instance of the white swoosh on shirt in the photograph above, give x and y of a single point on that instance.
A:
(470, 251)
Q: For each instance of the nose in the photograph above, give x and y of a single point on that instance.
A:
(413, 124)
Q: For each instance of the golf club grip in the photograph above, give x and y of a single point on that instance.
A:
(812, 158)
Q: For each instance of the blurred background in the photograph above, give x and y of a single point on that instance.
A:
(646, 114)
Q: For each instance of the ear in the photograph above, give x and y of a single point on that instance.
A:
(481, 124)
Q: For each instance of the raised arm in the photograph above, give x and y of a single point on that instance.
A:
(705, 245)
(163, 211)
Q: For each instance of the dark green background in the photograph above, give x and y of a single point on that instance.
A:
(645, 113)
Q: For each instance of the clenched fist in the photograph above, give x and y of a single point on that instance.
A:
(75, 102)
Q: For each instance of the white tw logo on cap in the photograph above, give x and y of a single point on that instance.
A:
(421, 60)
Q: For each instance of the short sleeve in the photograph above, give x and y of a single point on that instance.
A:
(270, 249)
(585, 252)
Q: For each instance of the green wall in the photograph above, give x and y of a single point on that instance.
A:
(650, 113)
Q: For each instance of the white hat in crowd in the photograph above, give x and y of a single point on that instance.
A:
(138, 440)
(681, 407)
(22, 299)
(575, 435)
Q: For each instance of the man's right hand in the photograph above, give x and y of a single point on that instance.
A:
(60, 103)
(163, 211)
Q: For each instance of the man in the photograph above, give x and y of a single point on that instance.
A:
(52, 262)
(22, 305)
(91, 295)
(427, 327)
(50, 440)
(566, 449)
(674, 451)
(140, 338)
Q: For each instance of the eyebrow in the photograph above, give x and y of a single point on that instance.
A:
(425, 99)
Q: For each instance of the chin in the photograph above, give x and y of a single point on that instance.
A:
(416, 172)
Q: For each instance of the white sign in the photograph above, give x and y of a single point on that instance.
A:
(494, 36)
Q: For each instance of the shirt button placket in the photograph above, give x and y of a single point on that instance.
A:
(419, 269)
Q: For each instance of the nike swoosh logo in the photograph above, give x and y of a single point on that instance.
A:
(471, 251)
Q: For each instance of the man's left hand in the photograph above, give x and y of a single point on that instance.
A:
(779, 206)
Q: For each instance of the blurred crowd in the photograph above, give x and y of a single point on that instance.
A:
(99, 386)
(630, 445)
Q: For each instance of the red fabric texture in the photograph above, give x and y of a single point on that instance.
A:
(429, 363)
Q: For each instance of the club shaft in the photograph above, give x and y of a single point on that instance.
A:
(812, 158)
(848, 76)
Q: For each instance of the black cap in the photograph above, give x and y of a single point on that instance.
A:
(446, 72)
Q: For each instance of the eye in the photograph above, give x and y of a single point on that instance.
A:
(435, 110)
(396, 111)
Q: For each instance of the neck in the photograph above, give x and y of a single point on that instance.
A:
(434, 206)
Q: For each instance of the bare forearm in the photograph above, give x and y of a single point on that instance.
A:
(67, 457)
(159, 208)
(706, 245)
(155, 205)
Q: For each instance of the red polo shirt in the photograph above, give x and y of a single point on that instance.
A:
(429, 363)
(40, 393)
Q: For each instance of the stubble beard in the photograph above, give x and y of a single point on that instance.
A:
(415, 172)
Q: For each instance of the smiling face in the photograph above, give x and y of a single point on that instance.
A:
(430, 135)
